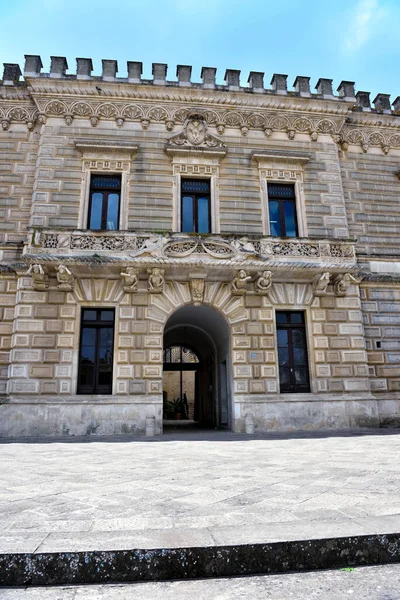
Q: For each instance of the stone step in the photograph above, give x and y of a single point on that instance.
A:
(153, 564)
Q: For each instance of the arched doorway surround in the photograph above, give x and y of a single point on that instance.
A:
(205, 384)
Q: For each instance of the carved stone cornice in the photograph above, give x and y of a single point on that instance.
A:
(273, 157)
(93, 147)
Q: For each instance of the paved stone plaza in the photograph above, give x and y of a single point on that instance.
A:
(197, 489)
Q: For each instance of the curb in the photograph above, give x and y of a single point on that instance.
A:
(197, 562)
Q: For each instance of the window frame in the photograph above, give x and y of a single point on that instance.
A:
(281, 210)
(96, 324)
(204, 168)
(195, 198)
(104, 190)
(277, 166)
(293, 388)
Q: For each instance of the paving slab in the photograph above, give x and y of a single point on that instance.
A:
(196, 490)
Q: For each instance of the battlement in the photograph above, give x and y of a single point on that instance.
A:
(301, 85)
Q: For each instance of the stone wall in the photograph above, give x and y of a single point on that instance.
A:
(371, 190)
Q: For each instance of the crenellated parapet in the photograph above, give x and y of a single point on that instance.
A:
(278, 84)
(347, 116)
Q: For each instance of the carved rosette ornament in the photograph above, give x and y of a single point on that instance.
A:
(66, 280)
(130, 279)
(40, 279)
(239, 283)
(320, 284)
(342, 283)
(156, 281)
(263, 282)
(197, 287)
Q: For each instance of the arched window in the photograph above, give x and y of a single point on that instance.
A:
(179, 355)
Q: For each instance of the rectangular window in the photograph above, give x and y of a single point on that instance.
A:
(104, 202)
(292, 352)
(282, 210)
(195, 205)
(96, 351)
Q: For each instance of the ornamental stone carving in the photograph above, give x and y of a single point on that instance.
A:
(40, 279)
(263, 282)
(197, 286)
(130, 278)
(342, 283)
(66, 280)
(195, 134)
(320, 284)
(156, 281)
(239, 283)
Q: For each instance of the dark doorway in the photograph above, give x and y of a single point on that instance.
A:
(292, 352)
(96, 351)
(197, 368)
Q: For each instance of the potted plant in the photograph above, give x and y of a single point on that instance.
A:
(177, 408)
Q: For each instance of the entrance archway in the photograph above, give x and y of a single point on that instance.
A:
(196, 375)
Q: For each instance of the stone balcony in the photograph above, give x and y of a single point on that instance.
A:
(188, 250)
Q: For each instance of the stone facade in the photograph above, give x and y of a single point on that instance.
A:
(224, 288)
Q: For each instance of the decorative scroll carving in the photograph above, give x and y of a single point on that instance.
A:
(156, 281)
(295, 249)
(320, 284)
(130, 279)
(263, 282)
(239, 283)
(40, 279)
(66, 280)
(342, 283)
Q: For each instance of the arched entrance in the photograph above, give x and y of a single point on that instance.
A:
(196, 374)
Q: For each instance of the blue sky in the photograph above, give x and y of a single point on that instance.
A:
(357, 40)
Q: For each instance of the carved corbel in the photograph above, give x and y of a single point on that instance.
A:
(130, 280)
(341, 283)
(156, 281)
(94, 121)
(244, 130)
(40, 279)
(5, 124)
(239, 283)
(169, 125)
(291, 134)
(263, 282)
(42, 118)
(66, 280)
(30, 125)
(120, 122)
(145, 123)
(68, 119)
(268, 132)
(221, 128)
(320, 284)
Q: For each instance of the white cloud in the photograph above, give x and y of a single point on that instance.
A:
(366, 16)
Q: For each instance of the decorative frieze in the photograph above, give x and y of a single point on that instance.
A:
(182, 245)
